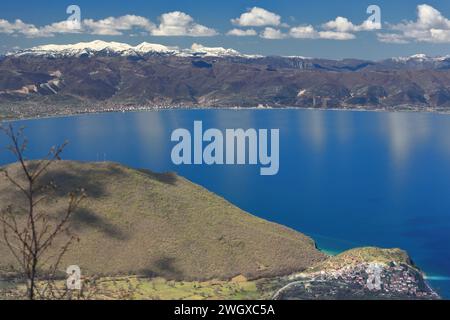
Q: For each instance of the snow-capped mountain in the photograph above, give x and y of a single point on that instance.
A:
(196, 50)
(200, 50)
(416, 62)
(146, 47)
(123, 49)
(420, 58)
(205, 76)
(94, 47)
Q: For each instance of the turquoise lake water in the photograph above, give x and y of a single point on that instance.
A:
(347, 179)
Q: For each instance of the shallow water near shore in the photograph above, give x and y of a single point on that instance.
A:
(347, 179)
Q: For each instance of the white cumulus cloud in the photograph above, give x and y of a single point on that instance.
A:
(341, 24)
(336, 35)
(18, 27)
(272, 34)
(340, 29)
(181, 24)
(257, 17)
(430, 26)
(171, 24)
(242, 33)
(304, 32)
(308, 32)
(107, 26)
(116, 25)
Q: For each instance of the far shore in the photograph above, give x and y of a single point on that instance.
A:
(171, 108)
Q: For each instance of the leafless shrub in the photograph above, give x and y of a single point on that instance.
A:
(29, 233)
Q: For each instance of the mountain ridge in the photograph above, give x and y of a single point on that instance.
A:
(123, 49)
(196, 49)
(102, 76)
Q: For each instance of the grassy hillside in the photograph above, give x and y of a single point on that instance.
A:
(139, 222)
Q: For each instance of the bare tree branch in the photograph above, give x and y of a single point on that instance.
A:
(30, 238)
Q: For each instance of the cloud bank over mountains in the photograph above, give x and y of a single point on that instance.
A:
(339, 29)
(174, 23)
(430, 26)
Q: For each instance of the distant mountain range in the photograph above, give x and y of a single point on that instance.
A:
(122, 49)
(99, 76)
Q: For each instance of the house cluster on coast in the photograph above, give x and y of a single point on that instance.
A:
(396, 281)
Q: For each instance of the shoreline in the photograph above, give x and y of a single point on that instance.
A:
(181, 108)
(325, 250)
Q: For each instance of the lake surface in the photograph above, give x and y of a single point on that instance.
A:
(347, 179)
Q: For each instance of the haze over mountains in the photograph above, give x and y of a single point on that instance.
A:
(98, 75)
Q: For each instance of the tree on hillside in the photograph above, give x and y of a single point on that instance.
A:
(36, 240)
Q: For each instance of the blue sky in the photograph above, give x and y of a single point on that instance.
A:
(272, 27)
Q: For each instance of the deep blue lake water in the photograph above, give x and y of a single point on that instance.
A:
(347, 179)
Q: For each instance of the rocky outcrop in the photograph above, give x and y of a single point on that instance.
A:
(367, 273)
